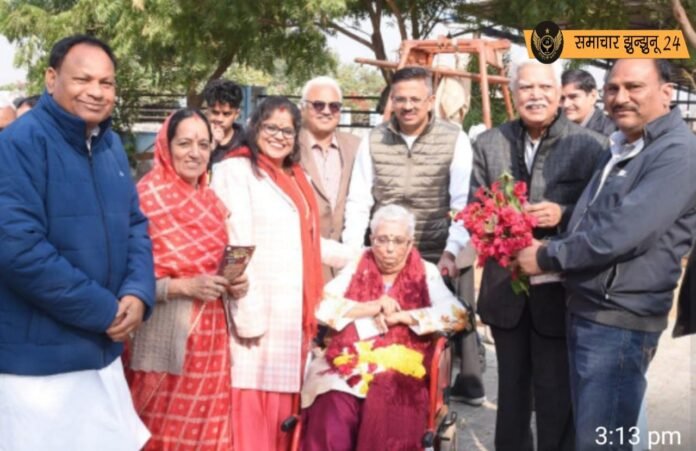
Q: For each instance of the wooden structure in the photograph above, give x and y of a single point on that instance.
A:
(422, 53)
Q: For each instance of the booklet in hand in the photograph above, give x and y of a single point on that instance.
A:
(235, 260)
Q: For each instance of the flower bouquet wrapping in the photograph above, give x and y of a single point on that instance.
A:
(499, 226)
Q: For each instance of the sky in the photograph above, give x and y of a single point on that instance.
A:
(8, 73)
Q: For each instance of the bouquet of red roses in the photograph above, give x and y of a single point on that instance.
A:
(499, 226)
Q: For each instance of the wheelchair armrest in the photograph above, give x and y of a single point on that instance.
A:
(441, 343)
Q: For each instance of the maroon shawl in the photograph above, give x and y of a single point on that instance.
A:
(394, 413)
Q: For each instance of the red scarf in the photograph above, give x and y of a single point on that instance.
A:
(395, 410)
(186, 223)
(409, 290)
(312, 278)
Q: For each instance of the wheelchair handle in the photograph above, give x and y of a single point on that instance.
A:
(448, 280)
(428, 440)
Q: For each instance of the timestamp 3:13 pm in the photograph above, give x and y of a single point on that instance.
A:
(634, 436)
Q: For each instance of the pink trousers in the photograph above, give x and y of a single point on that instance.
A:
(256, 419)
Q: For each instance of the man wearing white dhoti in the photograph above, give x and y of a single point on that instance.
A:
(76, 272)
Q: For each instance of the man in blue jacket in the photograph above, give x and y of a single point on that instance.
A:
(76, 271)
(621, 258)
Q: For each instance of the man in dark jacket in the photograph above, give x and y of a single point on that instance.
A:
(223, 98)
(578, 98)
(628, 233)
(76, 270)
(555, 157)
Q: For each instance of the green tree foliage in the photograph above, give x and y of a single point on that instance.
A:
(598, 14)
(176, 45)
(588, 14)
(355, 80)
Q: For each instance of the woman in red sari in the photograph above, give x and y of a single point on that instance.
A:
(179, 370)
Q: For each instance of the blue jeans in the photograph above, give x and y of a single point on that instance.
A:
(607, 382)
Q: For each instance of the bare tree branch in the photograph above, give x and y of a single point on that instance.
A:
(684, 22)
(414, 13)
(376, 37)
(375, 15)
(345, 31)
(429, 24)
(193, 97)
(400, 20)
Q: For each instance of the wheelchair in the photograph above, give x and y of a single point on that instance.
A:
(441, 428)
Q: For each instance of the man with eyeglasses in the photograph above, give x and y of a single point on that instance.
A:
(424, 164)
(555, 157)
(622, 258)
(327, 154)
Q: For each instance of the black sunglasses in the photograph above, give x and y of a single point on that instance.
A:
(320, 105)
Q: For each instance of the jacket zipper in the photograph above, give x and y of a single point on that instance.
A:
(609, 280)
(407, 191)
(588, 204)
(103, 218)
(530, 171)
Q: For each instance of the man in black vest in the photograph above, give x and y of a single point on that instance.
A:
(555, 157)
(424, 164)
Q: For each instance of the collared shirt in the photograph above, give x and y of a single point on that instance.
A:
(93, 134)
(587, 118)
(620, 151)
(360, 201)
(329, 165)
(530, 150)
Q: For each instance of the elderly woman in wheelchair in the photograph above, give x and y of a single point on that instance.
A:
(369, 389)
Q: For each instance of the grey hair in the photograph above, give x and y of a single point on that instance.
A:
(323, 80)
(516, 66)
(394, 213)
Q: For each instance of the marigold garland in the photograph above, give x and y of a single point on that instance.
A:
(364, 361)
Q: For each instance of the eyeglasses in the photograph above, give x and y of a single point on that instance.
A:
(402, 101)
(383, 241)
(273, 130)
(320, 105)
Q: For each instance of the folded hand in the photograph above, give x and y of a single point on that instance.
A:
(128, 317)
(239, 287)
(388, 305)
